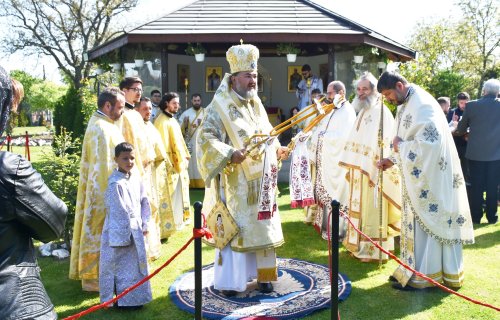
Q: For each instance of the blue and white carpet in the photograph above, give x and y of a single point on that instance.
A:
(302, 288)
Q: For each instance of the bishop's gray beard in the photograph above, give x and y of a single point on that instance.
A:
(244, 92)
(359, 104)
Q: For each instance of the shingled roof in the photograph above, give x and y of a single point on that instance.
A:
(256, 21)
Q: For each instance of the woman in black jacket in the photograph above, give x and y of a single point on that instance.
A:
(28, 210)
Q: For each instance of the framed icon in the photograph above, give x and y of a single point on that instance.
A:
(213, 77)
(294, 76)
(182, 77)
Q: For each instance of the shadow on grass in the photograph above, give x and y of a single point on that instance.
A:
(386, 302)
(485, 240)
(304, 243)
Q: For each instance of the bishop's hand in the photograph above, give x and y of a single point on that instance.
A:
(238, 156)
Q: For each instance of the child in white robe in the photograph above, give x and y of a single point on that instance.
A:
(123, 260)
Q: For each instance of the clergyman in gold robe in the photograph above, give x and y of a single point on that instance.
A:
(97, 164)
(178, 156)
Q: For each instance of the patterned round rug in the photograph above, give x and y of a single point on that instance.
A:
(302, 288)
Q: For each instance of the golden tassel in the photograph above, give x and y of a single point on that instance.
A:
(219, 262)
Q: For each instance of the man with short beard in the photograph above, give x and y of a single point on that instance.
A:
(361, 153)
(177, 216)
(235, 114)
(435, 215)
(98, 150)
(190, 121)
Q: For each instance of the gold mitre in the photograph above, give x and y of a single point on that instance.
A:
(242, 57)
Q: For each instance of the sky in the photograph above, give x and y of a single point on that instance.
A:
(394, 19)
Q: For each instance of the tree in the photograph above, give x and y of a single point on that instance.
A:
(448, 83)
(483, 17)
(73, 111)
(44, 95)
(62, 29)
(457, 49)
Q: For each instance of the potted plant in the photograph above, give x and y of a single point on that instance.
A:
(363, 51)
(289, 49)
(196, 50)
(382, 59)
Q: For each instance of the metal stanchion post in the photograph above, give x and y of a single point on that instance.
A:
(335, 260)
(197, 262)
(9, 139)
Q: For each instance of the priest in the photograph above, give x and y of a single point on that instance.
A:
(178, 155)
(435, 217)
(97, 163)
(379, 221)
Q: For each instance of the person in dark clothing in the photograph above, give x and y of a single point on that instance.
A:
(29, 210)
(481, 118)
(461, 141)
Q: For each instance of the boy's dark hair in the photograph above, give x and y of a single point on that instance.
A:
(129, 81)
(315, 91)
(167, 97)
(154, 91)
(123, 147)
(388, 80)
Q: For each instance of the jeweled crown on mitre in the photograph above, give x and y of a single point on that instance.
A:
(242, 57)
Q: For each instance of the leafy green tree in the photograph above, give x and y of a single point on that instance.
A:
(448, 83)
(483, 18)
(44, 95)
(462, 48)
(62, 30)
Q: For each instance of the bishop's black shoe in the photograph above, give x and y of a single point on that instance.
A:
(229, 293)
(265, 287)
(398, 286)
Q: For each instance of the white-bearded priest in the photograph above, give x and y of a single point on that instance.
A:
(435, 216)
(249, 191)
(360, 157)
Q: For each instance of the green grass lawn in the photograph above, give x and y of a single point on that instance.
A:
(38, 130)
(372, 297)
(36, 152)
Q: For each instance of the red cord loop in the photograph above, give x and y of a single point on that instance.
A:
(203, 232)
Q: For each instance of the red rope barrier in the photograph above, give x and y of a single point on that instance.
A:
(423, 276)
(197, 233)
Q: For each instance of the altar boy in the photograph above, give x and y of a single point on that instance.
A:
(123, 260)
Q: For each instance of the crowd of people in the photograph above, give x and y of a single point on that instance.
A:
(412, 176)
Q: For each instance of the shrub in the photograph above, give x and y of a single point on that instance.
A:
(60, 171)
